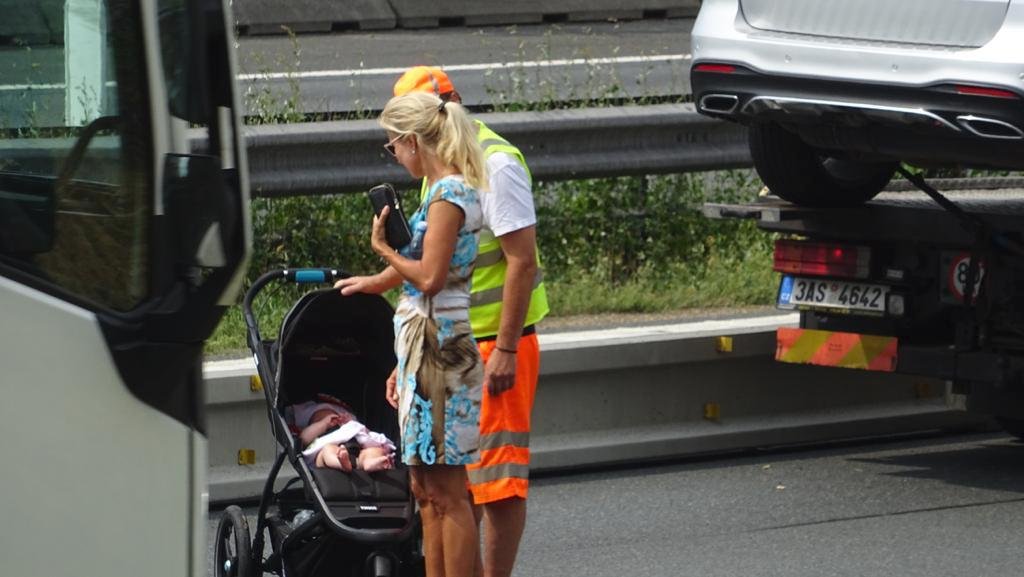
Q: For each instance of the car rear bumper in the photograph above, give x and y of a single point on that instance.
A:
(938, 123)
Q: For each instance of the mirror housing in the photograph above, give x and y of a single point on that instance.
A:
(200, 214)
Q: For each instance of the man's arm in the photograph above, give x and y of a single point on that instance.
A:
(512, 218)
(521, 256)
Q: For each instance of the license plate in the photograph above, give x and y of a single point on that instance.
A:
(813, 293)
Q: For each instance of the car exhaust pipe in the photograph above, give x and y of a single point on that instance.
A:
(990, 127)
(719, 103)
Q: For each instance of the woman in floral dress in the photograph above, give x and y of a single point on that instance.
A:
(436, 386)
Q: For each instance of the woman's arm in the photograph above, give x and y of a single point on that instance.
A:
(430, 272)
(376, 284)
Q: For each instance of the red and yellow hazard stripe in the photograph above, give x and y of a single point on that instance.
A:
(836, 349)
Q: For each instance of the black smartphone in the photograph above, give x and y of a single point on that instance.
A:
(396, 228)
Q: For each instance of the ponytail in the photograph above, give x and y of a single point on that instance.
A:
(458, 145)
(442, 126)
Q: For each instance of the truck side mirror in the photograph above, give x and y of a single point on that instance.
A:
(201, 215)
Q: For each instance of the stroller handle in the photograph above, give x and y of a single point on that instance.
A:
(295, 275)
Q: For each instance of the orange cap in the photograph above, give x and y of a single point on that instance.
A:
(424, 79)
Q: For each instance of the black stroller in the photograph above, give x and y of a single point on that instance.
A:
(325, 521)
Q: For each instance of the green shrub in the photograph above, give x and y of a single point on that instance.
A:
(629, 244)
(313, 231)
(619, 227)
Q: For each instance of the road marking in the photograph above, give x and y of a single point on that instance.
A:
(318, 74)
(54, 86)
(22, 87)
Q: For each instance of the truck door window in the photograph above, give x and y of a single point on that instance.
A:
(75, 150)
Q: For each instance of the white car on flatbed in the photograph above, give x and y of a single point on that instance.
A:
(837, 92)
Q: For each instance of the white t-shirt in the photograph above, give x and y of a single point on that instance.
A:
(508, 205)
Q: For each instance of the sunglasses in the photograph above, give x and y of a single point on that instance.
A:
(390, 146)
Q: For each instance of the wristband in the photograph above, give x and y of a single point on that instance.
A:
(504, 350)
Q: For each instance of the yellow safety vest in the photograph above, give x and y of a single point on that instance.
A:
(489, 274)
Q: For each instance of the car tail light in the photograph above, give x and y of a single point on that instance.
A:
(822, 259)
(985, 91)
(720, 68)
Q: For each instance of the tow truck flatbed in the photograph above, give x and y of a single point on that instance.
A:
(891, 216)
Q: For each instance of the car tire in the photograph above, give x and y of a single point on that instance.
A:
(796, 172)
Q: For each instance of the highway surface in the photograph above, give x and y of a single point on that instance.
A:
(492, 66)
(922, 506)
(489, 65)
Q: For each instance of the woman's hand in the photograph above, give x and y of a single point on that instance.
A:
(378, 240)
(391, 389)
(376, 284)
(355, 284)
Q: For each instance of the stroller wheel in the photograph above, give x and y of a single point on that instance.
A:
(232, 555)
(380, 564)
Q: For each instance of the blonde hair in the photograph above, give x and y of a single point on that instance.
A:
(442, 126)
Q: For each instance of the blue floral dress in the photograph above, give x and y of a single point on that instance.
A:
(440, 374)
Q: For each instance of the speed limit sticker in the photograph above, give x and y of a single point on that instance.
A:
(958, 268)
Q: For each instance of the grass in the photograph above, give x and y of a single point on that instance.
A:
(618, 245)
(729, 282)
(733, 274)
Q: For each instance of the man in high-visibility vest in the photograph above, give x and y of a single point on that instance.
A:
(507, 299)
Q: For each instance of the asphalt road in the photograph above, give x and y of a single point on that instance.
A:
(928, 506)
(489, 65)
(492, 66)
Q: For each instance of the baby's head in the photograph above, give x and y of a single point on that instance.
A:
(326, 411)
(309, 412)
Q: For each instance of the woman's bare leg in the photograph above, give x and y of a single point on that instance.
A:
(433, 550)
(450, 537)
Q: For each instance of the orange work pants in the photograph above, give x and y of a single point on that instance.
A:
(504, 467)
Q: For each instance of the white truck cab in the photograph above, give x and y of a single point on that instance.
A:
(120, 248)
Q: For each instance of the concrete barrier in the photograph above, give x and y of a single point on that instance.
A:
(418, 14)
(596, 10)
(639, 394)
(253, 17)
(32, 25)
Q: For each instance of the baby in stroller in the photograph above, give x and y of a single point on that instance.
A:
(327, 425)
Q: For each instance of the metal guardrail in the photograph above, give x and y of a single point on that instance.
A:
(347, 156)
(614, 396)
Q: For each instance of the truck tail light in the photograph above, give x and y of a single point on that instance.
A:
(822, 259)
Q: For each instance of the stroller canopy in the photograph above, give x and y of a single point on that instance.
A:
(342, 346)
